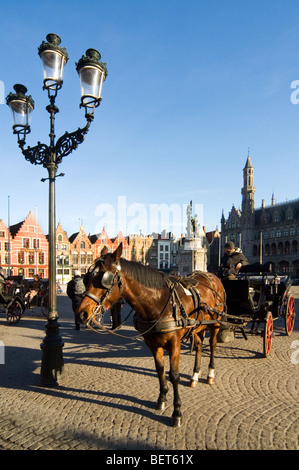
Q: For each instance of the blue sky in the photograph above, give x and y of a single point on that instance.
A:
(192, 84)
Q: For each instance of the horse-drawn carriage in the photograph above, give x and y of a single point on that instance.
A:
(168, 309)
(258, 297)
(13, 300)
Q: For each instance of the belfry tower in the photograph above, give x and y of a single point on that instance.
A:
(247, 191)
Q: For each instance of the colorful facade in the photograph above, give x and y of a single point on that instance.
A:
(26, 250)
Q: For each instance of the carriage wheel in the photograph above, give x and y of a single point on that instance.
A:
(268, 334)
(44, 305)
(14, 311)
(290, 315)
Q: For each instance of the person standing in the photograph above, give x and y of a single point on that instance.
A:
(75, 290)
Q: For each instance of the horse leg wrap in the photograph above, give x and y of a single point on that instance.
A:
(211, 376)
(194, 379)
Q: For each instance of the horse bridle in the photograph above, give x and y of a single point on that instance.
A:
(112, 279)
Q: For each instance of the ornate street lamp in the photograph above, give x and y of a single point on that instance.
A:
(92, 74)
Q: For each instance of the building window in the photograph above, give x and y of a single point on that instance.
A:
(26, 242)
(294, 247)
(21, 257)
(36, 243)
(41, 258)
(31, 258)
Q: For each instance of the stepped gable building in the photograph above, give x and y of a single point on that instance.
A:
(102, 240)
(29, 249)
(82, 250)
(269, 233)
(126, 249)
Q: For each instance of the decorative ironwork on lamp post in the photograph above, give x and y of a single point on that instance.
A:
(92, 74)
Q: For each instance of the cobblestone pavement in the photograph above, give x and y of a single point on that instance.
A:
(108, 397)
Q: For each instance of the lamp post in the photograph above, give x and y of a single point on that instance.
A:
(92, 74)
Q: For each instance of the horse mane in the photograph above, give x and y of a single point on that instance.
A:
(146, 275)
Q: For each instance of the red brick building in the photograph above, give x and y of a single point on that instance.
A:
(126, 249)
(102, 240)
(99, 241)
(29, 249)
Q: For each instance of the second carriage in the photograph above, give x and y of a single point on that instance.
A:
(13, 300)
(257, 297)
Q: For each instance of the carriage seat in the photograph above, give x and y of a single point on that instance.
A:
(257, 268)
(242, 298)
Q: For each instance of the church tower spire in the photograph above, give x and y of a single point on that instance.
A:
(248, 189)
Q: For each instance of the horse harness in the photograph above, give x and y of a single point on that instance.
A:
(179, 318)
(108, 281)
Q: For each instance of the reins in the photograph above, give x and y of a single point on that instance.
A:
(106, 330)
(180, 321)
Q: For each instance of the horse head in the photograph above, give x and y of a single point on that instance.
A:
(103, 286)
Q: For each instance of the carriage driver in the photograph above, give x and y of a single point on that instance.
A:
(231, 262)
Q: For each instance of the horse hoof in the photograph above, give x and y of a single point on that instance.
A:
(210, 380)
(161, 405)
(193, 383)
(177, 422)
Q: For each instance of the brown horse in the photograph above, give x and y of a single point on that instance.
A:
(167, 309)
